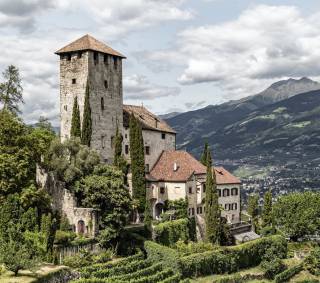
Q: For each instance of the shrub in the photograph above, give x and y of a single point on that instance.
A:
(157, 253)
(156, 277)
(288, 274)
(64, 238)
(192, 247)
(273, 267)
(168, 233)
(173, 279)
(58, 276)
(120, 270)
(231, 259)
(121, 262)
(231, 279)
(312, 262)
(103, 257)
(81, 259)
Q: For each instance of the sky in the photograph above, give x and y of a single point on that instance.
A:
(181, 54)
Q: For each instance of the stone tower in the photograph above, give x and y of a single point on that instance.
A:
(89, 61)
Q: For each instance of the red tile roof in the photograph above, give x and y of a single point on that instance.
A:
(224, 177)
(163, 170)
(87, 42)
(146, 119)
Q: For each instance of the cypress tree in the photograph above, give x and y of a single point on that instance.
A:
(253, 210)
(204, 154)
(117, 148)
(267, 210)
(212, 214)
(75, 122)
(86, 122)
(137, 163)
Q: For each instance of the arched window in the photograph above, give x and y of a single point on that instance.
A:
(234, 191)
(226, 192)
(102, 103)
(81, 227)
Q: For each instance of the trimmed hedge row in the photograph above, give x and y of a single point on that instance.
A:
(100, 266)
(172, 279)
(157, 253)
(170, 232)
(288, 274)
(231, 259)
(119, 270)
(159, 276)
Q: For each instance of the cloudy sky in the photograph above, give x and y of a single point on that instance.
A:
(181, 54)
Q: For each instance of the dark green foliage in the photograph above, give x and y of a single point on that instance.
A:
(172, 279)
(64, 238)
(180, 207)
(86, 121)
(137, 163)
(75, 121)
(204, 154)
(286, 275)
(11, 90)
(312, 262)
(212, 213)
(148, 216)
(117, 148)
(189, 248)
(192, 229)
(224, 235)
(253, 210)
(272, 267)
(81, 259)
(64, 223)
(267, 210)
(57, 276)
(157, 253)
(168, 233)
(295, 214)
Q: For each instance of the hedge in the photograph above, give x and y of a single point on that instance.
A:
(288, 274)
(157, 253)
(170, 232)
(172, 279)
(231, 259)
(156, 277)
(119, 270)
(100, 266)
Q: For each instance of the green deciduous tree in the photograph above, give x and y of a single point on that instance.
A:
(105, 190)
(212, 213)
(86, 121)
(298, 214)
(11, 90)
(75, 121)
(267, 218)
(137, 164)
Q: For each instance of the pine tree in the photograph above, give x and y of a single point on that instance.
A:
(253, 210)
(86, 122)
(267, 210)
(137, 163)
(117, 148)
(75, 122)
(204, 154)
(212, 214)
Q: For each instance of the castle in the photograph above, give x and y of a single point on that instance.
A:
(170, 174)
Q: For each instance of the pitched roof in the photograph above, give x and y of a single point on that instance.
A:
(146, 119)
(225, 177)
(87, 42)
(163, 170)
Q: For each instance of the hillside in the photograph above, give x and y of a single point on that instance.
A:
(194, 126)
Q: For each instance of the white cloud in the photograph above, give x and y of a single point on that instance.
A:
(263, 44)
(139, 88)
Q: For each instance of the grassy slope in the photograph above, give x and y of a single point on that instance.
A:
(27, 276)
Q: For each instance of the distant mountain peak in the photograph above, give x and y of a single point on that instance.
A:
(291, 81)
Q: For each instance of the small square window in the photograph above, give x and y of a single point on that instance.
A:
(147, 150)
(106, 84)
(163, 136)
(162, 190)
(190, 190)
(74, 81)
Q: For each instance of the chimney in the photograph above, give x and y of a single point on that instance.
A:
(175, 167)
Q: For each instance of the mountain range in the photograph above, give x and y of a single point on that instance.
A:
(280, 123)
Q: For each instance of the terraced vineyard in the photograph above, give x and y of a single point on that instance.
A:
(132, 269)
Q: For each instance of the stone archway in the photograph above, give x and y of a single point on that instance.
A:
(158, 209)
(81, 227)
